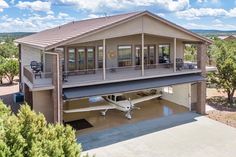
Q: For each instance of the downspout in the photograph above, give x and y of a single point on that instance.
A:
(58, 82)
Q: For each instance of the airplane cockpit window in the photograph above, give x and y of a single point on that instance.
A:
(120, 98)
(109, 96)
(113, 97)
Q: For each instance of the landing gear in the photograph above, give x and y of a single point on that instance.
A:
(103, 113)
(128, 115)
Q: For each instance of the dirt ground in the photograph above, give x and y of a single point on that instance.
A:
(221, 112)
(6, 94)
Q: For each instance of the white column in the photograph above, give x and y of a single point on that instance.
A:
(174, 55)
(142, 54)
(104, 59)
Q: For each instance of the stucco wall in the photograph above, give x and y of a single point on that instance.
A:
(144, 24)
(181, 95)
(29, 54)
(42, 102)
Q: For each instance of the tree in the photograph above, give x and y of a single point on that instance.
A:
(2, 71)
(9, 49)
(11, 69)
(27, 134)
(225, 77)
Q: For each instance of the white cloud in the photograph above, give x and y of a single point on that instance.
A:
(194, 13)
(98, 5)
(35, 5)
(33, 22)
(3, 5)
(217, 21)
(204, 1)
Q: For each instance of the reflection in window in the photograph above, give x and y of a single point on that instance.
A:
(81, 58)
(100, 57)
(90, 58)
(71, 59)
(164, 53)
(124, 56)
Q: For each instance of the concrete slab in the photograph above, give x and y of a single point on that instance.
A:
(181, 135)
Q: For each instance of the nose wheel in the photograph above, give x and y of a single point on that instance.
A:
(128, 115)
(103, 113)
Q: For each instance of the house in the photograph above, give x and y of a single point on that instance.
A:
(113, 54)
(228, 37)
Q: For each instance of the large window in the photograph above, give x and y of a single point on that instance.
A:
(100, 56)
(81, 59)
(164, 53)
(90, 58)
(124, 56)
(71, 59)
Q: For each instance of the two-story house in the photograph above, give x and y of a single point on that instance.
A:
(113, 54)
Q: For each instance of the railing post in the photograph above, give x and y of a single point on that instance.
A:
(174, 55)
(142, 54)
(104, 59)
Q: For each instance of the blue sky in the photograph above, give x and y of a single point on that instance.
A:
(20, 15)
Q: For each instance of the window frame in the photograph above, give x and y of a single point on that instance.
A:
(169, 44)
(131, 59)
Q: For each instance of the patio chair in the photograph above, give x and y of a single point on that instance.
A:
(37, 68)
(179, 63)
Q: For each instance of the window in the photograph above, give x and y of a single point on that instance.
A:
(124, 56)
(164, 53)
(120, 98)
(90, 58)
(71, 59)
(100, 57)
(168, 90)
(81, 58)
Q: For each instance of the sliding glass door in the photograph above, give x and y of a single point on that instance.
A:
(81, 60)
(149, 56)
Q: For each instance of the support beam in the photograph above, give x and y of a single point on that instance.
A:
(142, 73)
(20, 69)
(174, 55)
(104, 59)
(201, 57)
(201, 97)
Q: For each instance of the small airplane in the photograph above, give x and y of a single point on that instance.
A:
(116, 101)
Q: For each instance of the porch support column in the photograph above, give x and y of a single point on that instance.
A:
(201, 97)
(104, 59)
(174, 66)
(142, 54)
(201, 57)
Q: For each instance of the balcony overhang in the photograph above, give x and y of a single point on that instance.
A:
(128, 86)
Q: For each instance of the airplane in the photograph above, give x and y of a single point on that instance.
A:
(116, 101)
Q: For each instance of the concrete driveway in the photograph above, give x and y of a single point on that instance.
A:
(183, 135)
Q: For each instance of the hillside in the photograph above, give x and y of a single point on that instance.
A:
(207, 33)
(213, 32)
(14, 35)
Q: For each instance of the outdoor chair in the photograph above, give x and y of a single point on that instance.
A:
(179, 63)
(37, 68)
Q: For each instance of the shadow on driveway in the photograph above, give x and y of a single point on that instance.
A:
(129, 131)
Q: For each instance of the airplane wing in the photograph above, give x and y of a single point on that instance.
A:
(93, 108)
(146, 98)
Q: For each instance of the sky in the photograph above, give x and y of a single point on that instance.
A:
(33, 16)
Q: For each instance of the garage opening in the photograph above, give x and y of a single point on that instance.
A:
(174, 99)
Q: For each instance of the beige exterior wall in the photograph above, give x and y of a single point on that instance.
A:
(29, 54)
(42, 102)
(144, 24)
(181, 95)
(194, 93)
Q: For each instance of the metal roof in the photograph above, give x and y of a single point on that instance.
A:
(126, 86)
(53, 37)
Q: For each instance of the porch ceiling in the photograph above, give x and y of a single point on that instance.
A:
(135, 85)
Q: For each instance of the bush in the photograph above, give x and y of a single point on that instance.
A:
(27, 134)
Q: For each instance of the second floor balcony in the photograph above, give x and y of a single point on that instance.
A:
(99, 76)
